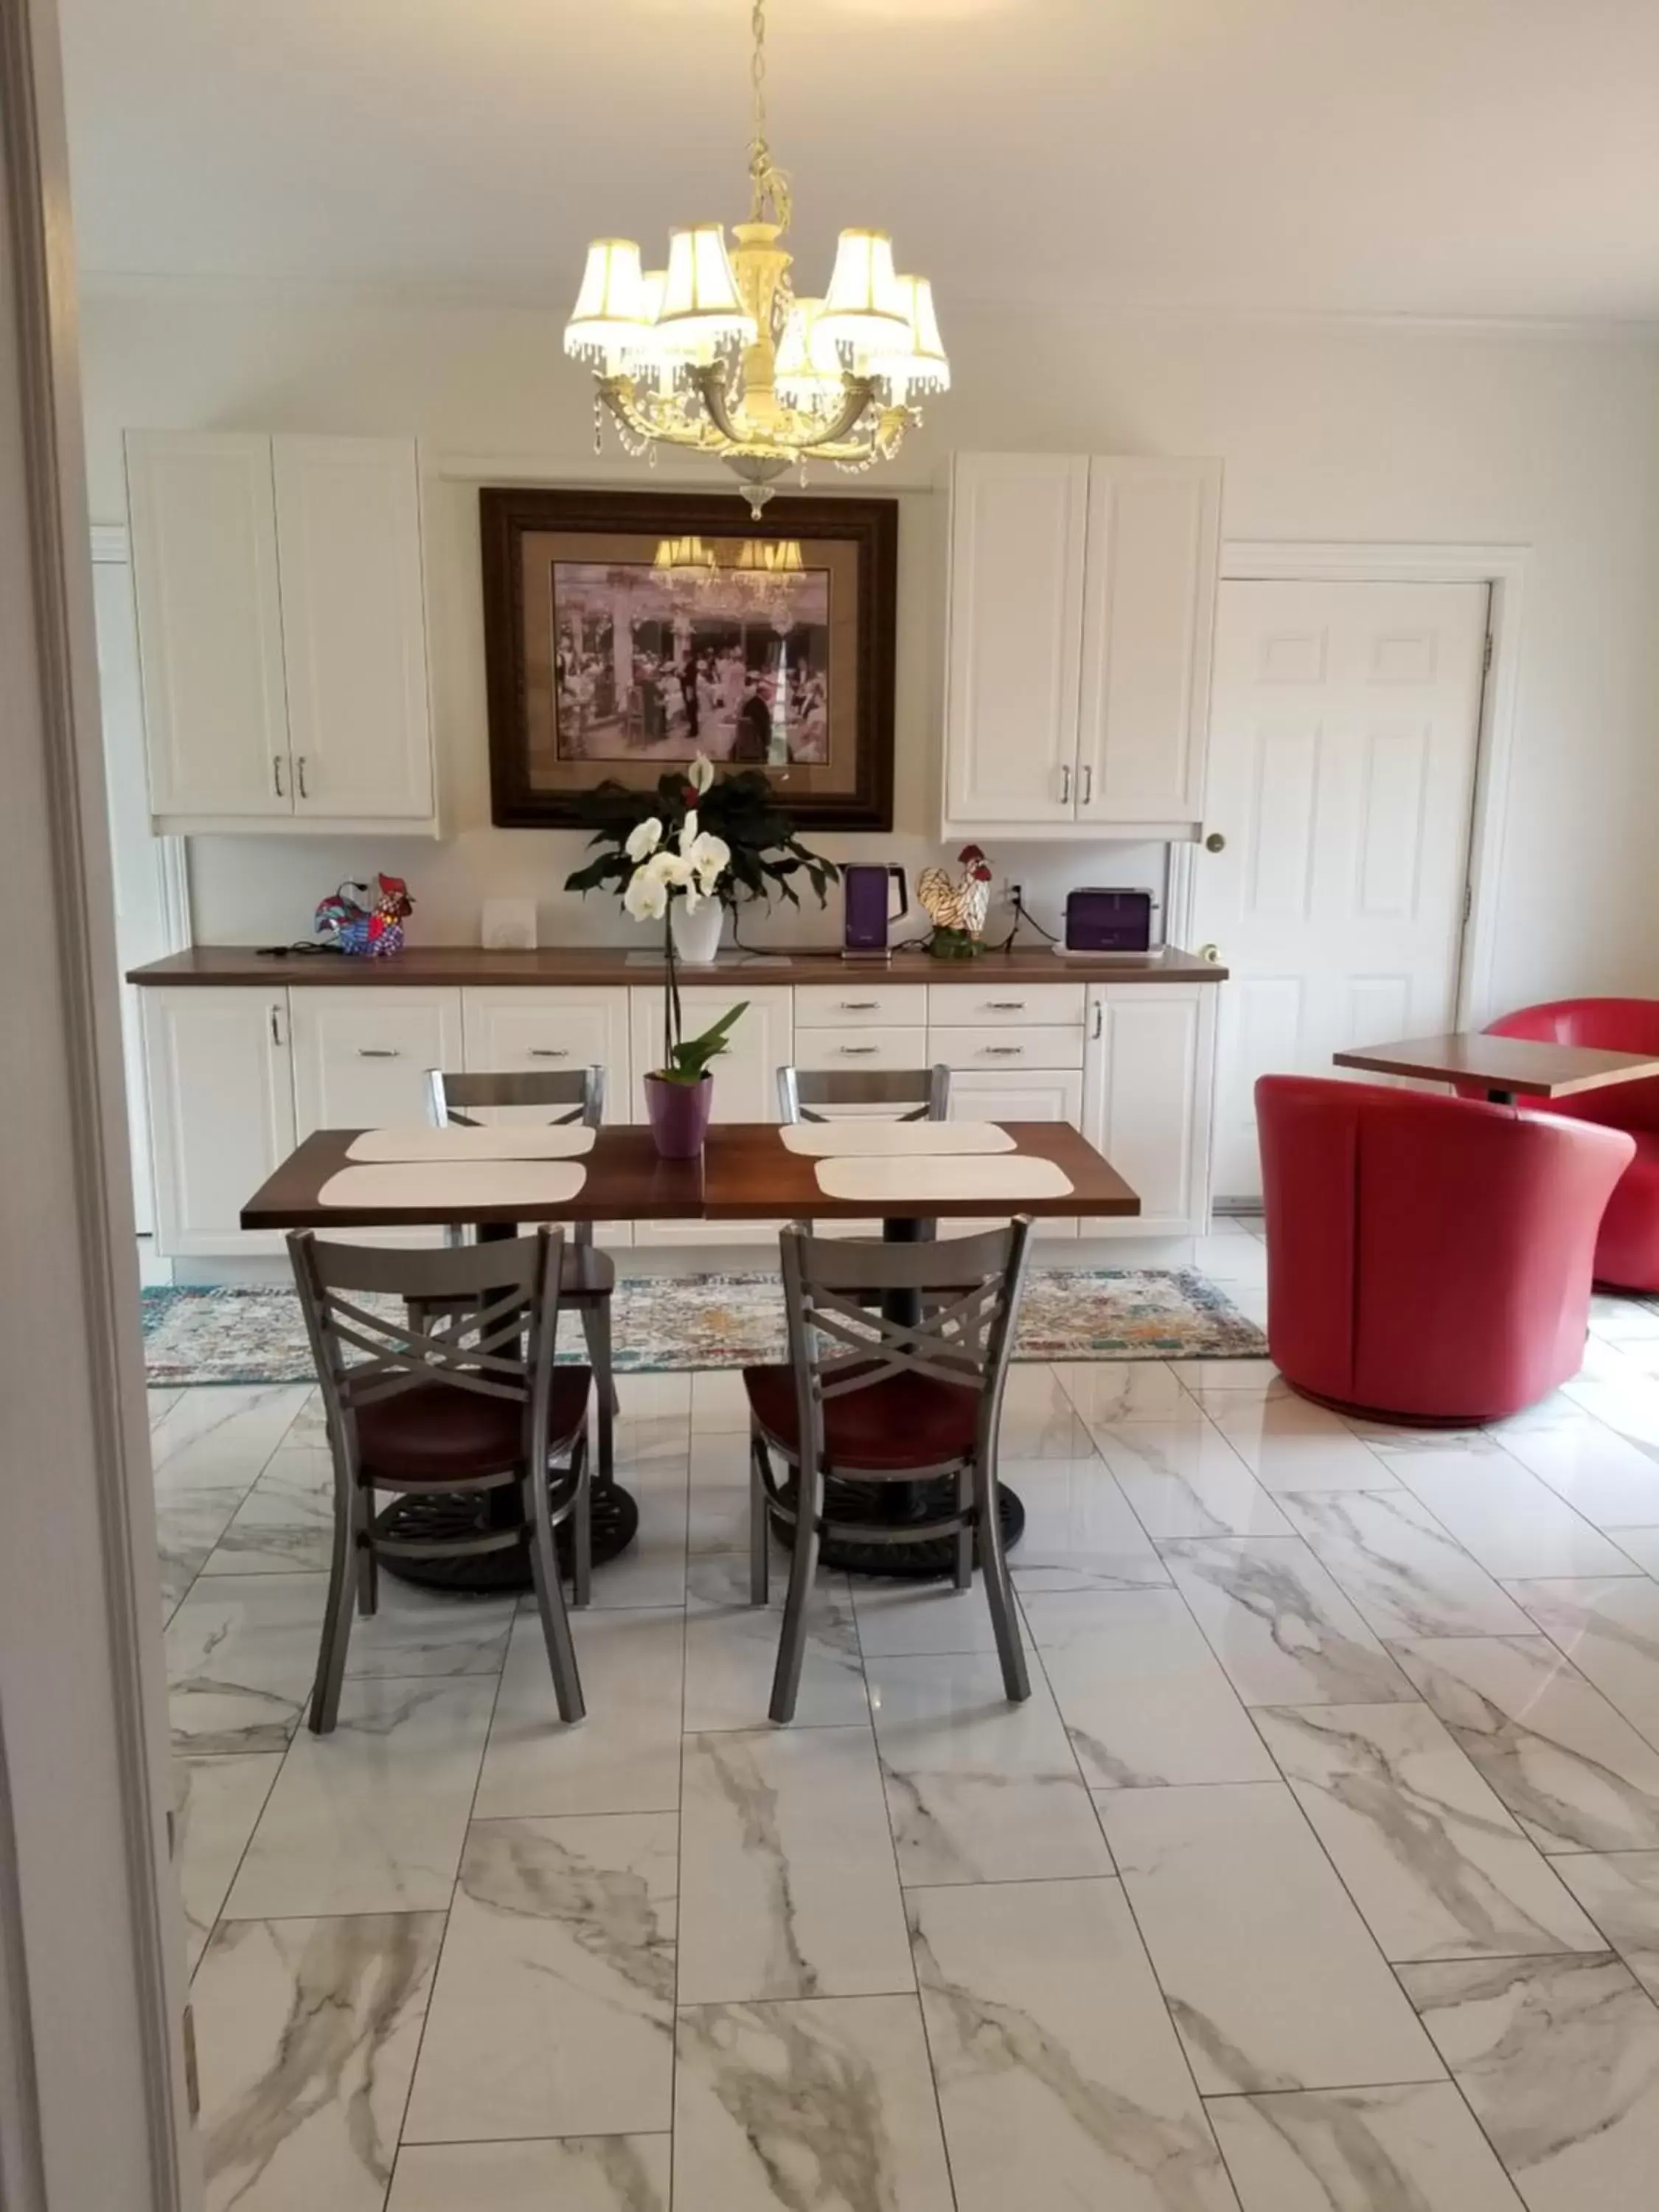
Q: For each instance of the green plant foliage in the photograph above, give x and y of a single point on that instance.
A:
(741, 808)
(689, 1060)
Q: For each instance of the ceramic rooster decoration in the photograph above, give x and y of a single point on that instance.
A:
(355, 927)
(956, 907)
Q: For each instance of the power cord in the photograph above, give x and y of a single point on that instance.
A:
(1023, 914)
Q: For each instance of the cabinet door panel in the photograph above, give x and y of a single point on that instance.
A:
(1016, 613)
(204, 572)
(745, 1083)
(348, 538)
(221, 1110)
(1147, 1082)
(1026, 1094)
(1149, 621)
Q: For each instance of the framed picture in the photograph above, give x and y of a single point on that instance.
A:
(627, 630)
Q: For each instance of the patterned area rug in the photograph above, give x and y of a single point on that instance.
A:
(664, 1322)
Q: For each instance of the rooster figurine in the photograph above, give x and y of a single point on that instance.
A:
(354, 927)
(956, 908)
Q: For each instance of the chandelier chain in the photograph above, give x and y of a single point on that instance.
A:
(768, 184)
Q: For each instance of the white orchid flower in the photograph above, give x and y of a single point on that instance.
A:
(702, 774)
(643, 838)
(709, 856)
(671, 870)
(689, 831)
(646, 895)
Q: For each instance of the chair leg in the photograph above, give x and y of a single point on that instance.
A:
(549, 1599)
(965, 1541)
(596, 1328)
(803, 1568)
(336, 1617)
(581, 1527)
(368, 1560)
(999, 1589)
(760, 1534)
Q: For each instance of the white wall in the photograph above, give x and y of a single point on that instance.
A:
(1354, 431)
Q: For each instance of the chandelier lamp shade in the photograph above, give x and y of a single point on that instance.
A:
(716, 353)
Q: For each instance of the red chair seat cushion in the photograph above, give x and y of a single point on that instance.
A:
(906, 1421)
(438, 1433)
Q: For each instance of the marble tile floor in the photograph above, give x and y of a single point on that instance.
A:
(1320, 1874)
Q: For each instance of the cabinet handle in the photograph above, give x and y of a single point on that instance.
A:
(300, 771)
(378, 1051)
(275, 1025)
(1065, 783)
(1003, 1051)
(277, 775)
(1088, 782)
(857, 1005)
(549, 1052)
(1004, 1005)
(1100, 1015)
(852, 1051)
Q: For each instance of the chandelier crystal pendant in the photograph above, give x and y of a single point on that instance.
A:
(715, 352)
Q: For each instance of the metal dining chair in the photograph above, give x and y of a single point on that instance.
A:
(457, 1395)
(589, 1275)
(921, 1094)
(873, 1400)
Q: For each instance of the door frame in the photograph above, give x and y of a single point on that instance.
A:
(1502, 569)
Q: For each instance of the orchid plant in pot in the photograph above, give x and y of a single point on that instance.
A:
(668, 879)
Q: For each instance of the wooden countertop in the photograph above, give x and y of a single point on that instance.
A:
(554, 966)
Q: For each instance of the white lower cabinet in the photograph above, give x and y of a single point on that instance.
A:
(510, 1031)
(1149, 1074)
(745, 1081)
(221, 1085)
(1018, 1094)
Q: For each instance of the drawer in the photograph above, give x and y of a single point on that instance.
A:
(980, 1006)
(857, 1005)
(1054, 1046)
(520, 1030)
(862, 1048)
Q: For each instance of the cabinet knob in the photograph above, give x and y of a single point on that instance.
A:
(1210, 952)
(1215, 842)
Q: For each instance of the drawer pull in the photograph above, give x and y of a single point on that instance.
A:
(858, 1005)
(1003, 1051)
(852, 1051)
(1004, 1005)
(378, 1051)
(549, 1052)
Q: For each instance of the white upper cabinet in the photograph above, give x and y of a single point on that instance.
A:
(353, 625)
(1148, 630)
(1082, 604)
(1018, 522)
(282, 631)
(203, 521)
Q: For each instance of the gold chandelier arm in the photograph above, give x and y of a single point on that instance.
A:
(652, 417)
(786, 436)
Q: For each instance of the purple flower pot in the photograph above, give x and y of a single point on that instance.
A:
(680, 1115)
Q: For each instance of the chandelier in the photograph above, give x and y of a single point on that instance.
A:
(716, 352)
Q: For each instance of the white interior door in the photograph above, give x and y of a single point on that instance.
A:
(144, 924)
(1344, 736)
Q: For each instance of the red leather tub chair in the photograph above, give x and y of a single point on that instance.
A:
(1627, 1250)
(1428, 1257)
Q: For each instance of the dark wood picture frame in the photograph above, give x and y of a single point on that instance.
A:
(508, 515)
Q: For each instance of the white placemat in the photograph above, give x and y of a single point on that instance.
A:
(451, 1189)
(525, 1140)
(908, 1141)
(1005, 1177)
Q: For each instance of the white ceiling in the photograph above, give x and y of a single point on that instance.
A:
(1429, 157)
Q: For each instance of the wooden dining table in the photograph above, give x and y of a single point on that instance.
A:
(1506, 1068)
(745, 1173)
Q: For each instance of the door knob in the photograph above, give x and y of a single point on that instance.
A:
(1210, 952)
(1215, 842)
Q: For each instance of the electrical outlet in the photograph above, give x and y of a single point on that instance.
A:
(1013, 893)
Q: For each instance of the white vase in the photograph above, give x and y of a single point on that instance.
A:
(696, 936)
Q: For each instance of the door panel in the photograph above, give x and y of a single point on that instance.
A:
(1018, 522)
(1345, 731)
(1146, 1102)
(348, 538)
(222, 1107)
(360, 1059)
(204, 523)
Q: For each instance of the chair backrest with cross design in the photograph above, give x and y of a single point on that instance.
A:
(921, 1094)
(968, 1293)
(455, 1101)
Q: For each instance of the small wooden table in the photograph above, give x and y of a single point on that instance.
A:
(746, 1173)
(1506, 1068)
